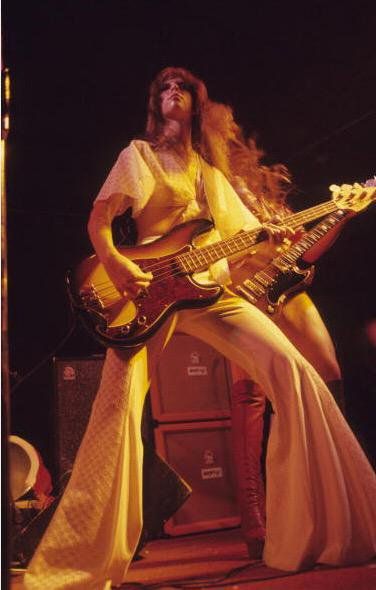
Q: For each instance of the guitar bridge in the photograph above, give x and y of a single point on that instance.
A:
(90, 299)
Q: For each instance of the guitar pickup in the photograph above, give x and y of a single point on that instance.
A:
(253, 286)
(245, 293)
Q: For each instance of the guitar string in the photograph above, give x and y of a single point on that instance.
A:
(111, 290)
(165, 271)
(106, 293)
(294, 250)
(293, 253)
(266, 277)
(194, 256)
(297, 218)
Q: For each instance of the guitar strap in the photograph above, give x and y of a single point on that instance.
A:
(201, 194)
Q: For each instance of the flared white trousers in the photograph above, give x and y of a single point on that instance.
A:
(321, 490)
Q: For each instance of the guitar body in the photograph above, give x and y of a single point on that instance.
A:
(266, 284)
(117, 321)
(286, 284)
(266, 279)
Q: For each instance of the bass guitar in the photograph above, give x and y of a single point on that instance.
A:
(117, 321)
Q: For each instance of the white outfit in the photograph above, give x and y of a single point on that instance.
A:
(321, 491)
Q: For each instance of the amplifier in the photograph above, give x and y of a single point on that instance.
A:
(192, 381)
(201, 453)
(76, 384)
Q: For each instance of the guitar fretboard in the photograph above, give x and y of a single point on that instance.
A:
(257, 286)
(312, 237)
(199, 259)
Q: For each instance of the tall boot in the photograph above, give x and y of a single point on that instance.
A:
(248, 406)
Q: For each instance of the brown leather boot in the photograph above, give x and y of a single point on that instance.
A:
(248, 406)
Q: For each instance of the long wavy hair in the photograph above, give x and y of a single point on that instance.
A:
(219, 140)
(206, 140)
(270, 184)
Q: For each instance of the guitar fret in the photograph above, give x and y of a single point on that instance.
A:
(288, 256)
(298, 251)
(291, 259)
(212, 253)
(221, 249)
(262, 280)
(235, 244)
(309, 214)
(98, 293)
(181, 260)
(196, 259)
(200, 256)
(191, 260)
(313, 236)
(243, 239)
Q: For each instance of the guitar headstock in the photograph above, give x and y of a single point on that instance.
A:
(354, 197)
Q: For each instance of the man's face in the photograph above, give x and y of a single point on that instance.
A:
(176, 100)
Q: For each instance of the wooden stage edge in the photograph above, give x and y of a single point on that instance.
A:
(219, 560)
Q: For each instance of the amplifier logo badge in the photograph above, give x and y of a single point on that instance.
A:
(69, 373)
(197, 371)
(212, 473)
(194, 358)
(209, 457)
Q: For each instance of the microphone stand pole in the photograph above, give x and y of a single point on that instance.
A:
(5, 394)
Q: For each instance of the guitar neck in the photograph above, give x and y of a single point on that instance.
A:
(199, 259)
(310, 239)
(295, 220)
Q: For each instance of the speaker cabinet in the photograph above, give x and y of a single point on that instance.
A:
(76, 384)
(201, 453)
(191, 382)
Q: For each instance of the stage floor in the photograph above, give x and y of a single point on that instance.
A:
(219, 560)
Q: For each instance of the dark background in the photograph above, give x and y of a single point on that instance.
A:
(300, 75)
